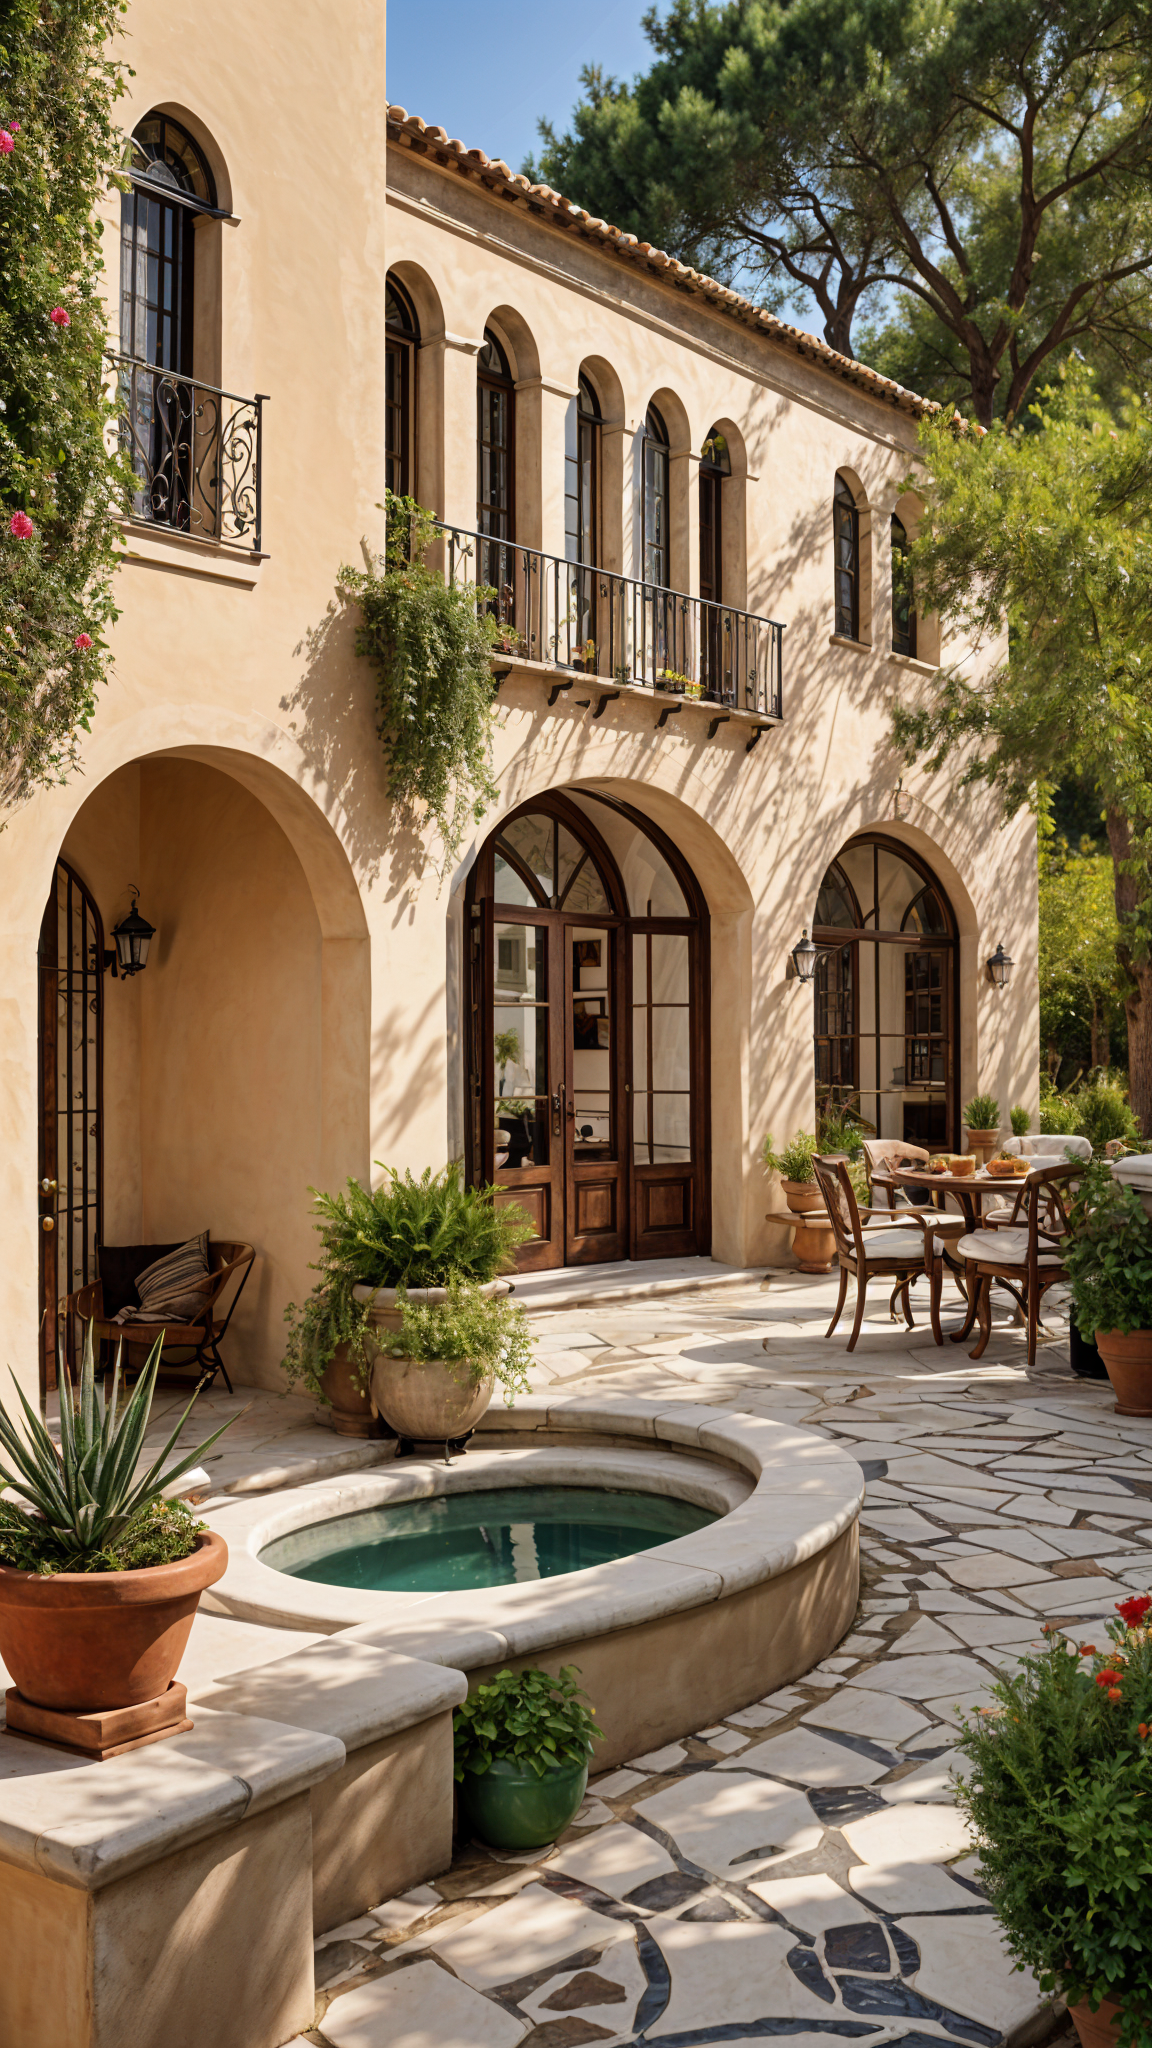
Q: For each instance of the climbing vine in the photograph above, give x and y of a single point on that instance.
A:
(428, 641)
(60, 479)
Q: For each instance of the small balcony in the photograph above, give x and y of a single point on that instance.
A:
(194, 452)
(627, 634)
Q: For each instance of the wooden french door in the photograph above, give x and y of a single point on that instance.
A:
(588, 1060)
(70, 1183)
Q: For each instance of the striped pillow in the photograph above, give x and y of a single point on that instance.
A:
(173, 1289)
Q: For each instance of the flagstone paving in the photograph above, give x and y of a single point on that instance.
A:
(800, 1870)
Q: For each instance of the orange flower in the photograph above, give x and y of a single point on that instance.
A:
(1114, 1693)
(1087, 1649)
(1142, 1731)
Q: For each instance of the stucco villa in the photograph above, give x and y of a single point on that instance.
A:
(596, 1005)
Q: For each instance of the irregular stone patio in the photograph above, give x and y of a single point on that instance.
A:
(800, 1869)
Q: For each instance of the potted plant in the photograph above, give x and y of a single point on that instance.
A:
(433, 1376)
(982, 1125)
(694, 690)
(100, 1574)
(1108, 1256)
(416, 1233)
(585, 657)
(671, 679)
(814, 1244)
(1021, 1120)
(523, 1744)
(1060, 1796)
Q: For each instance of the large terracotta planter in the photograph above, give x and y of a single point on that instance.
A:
(86, 1642)
(1129, 1361)
(802, 1196)
(1096, 2029)
(351, 1403)
(430, 1400)
(982, 1143)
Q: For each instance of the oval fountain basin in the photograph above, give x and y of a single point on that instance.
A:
(499, 1536)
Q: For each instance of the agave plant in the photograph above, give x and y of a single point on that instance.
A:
(87, 1492)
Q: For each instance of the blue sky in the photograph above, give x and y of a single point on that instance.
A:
(487, 75)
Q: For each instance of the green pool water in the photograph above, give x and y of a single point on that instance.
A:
(500, 1537)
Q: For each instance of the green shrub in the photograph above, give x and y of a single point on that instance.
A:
(982, 1113)
(1102, 1105)
(529, 1716)
(484, 1333)
(1109, 1255)
(840, 1127)
(429, 642)
(1059, 1116)
(1060, 1796)
(794, 1160)
(1021, 1119)
(61, 487)
(408, 1232)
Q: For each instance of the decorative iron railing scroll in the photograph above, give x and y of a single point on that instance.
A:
(194, 452)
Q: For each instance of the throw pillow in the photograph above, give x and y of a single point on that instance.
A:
(173, 1289)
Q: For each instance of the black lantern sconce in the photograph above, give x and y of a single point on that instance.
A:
(1000, 967)
(803, 958)
(133, 936)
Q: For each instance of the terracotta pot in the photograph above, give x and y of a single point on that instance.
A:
(983, 1143)
(1129, 1362)
(814, 1246)
(86, 1642)
(1096, 2029)
(351, 1403)
(802, 1196)
(429, 1399)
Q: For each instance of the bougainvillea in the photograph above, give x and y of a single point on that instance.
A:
(60, 480)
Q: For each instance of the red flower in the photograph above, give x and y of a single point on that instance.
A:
(1108, 1677)
(15, 127)
(21, 526)
(1087, 1649)
(83, 641)
(59, 317)
(6, 143)
(1132, 1611)
(1142, 1731)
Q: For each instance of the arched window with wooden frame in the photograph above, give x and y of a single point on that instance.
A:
(401, 342)
(654, 495)
(495, 465)
(846, 544)
(903, 609)
(886, 1002)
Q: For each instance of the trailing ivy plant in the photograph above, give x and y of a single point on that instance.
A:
(475, 1332)
(61, 484)
(428, 641)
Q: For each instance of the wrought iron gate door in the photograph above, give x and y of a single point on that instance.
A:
(70, 1184)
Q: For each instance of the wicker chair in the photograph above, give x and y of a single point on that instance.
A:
(878, 1250)
(1024, 1252)
(202, 1338)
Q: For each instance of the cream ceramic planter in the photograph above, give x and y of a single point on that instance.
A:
(430, 1400)
(384, 1314)
(982, 1143)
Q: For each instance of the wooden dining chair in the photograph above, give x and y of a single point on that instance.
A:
(1024, 1252)
(873, 1250)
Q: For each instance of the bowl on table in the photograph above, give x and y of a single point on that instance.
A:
(962, 1165)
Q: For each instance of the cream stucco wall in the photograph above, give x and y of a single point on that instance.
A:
(300, 1017)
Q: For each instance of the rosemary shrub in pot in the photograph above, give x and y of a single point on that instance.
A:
(434, 1377)
(523, 1744)
(1109, 1260)
(420, 1233)
(1060, 1795)
(100, 1575)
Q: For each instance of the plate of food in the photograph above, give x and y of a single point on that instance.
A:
(1007, 1166)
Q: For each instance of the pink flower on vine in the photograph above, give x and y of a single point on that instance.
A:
(21, 526)
(83, 641)
(6, 143)
(59, 317)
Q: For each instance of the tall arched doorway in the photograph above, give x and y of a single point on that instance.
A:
(588, 1052)
(886, 1024)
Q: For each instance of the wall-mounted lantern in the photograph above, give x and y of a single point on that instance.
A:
(1000, 967)
(133, 936)
(804, 957)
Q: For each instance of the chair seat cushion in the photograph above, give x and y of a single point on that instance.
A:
(1002, 1248)
(1002, 1213)
(887, 1243)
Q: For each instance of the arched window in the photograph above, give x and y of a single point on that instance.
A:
(903, 611)
(846, 541)
(885, 993)
(715, 465)
(582, 477)
(170, 185)
(401, 341)
(655, 500)
(495, 430)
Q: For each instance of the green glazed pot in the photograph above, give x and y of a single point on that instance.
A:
(509, 1807)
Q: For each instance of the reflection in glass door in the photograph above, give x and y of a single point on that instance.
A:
(71, 973)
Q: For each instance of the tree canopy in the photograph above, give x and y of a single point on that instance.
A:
(1036, 550)
(1079, 970)
(963, 187)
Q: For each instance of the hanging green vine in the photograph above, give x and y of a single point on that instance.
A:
(60, 484)
(428, 641)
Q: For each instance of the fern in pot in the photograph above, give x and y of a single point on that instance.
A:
(100, 1573)
(420, 1233)
(435, 1375)
(793, 1162)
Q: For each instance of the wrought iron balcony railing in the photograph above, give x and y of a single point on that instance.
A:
(194, 452)
(618, 629)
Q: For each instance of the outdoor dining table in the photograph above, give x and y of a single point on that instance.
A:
(971, 1191)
